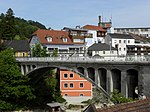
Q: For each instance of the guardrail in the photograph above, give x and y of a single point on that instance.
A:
(87, 59)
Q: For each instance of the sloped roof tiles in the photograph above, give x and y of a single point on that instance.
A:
(136, 106)
(56, 36)
(92, 27)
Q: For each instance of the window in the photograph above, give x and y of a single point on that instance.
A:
(81, 85)
(64, 39)
(65, 75)
(103, 52)
(66, 94)
(124, 49)
(71, 85)
(71, 75)
(49, 39)
(65, 85)
(119, 49)
(119, 41)
(124, 41)
(81, 94)
(96, 52)
(128, 41)
(78, 40)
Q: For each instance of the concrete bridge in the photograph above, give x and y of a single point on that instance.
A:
(125, 74)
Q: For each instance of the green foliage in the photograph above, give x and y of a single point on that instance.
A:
(7, 25)
(119, 98)
(55, 53)
(15, 93)
(10, 26)
(37, 24)
(98, 97)
(46, 90)
(38, 51)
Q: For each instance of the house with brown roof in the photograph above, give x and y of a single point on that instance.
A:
(21, 47)
(98, 34)
(58, 39)
(136, 106)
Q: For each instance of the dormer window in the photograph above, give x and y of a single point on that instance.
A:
(49, 39)
(64, 39)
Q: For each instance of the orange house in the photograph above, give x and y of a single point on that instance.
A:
(73, 86)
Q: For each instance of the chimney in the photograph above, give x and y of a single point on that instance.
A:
(100, 19)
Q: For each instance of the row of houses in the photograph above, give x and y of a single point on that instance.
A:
(82, 42)
(89, 40)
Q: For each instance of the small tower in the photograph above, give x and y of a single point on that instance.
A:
(105, 25)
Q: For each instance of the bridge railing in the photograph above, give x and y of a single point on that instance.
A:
(130, 58)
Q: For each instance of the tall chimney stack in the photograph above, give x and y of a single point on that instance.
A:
(100, 19)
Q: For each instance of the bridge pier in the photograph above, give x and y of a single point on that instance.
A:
(109, 84)
(26, 67)
(97, 78)
(22, 70)
(86, 72)
(124, 87)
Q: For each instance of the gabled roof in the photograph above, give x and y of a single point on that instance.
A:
(120, 36)
(138, 38)
(137, 106)
(18, 45)
(100, 47)
(90, 108)
(56, 35)
(92, 27)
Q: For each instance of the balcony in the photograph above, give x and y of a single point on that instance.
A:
(81, 35)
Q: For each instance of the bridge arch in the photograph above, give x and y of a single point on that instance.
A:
(79, 71)
(102, 72)
(132, 82)
(116, 79)
(91, 73)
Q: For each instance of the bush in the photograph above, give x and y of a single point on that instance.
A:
(117, 97)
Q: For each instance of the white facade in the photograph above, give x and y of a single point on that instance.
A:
(144, 32)
(120, 44)
(94, 39)
(105, 53)
(63, 49)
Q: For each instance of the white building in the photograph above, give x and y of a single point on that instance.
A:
(120, 41)
(98, 34)
(141, 31)
(102, 50)
(63, 41)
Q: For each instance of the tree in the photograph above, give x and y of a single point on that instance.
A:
(38, 51)
(46, 88)
(8, 30)
(117, 97)
(15, 93)
(55, 53)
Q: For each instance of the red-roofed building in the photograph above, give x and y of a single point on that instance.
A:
(136, 106)
(59, 39)
(98, 34)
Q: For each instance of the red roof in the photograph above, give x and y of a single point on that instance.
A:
(56, 35)
(92, 27)
(136, 106)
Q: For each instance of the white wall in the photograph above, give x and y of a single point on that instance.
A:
(122, 46)
(76, 100)
(90, 41)
(105, 53)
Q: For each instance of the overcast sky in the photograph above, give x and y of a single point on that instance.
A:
(70, 13)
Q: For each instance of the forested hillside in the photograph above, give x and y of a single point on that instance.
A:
(14, 28)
